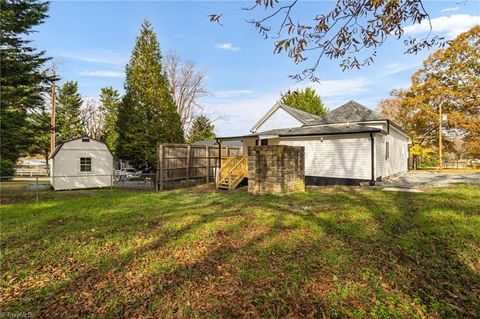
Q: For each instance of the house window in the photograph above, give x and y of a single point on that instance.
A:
(263, 142)
(85, 139)
(387, 150)
(85, 164)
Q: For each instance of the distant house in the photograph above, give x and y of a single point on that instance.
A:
(347, 145)
(31, 167)
(81, 163)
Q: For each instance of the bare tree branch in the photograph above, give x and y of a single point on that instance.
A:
(188, 86)
(351, 32)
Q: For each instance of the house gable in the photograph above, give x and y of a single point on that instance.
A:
(277, 117)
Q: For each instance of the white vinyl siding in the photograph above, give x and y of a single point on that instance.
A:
(380, 170)
(335, 156)
(279, 119)
(397, 159)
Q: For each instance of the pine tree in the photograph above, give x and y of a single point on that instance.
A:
(202, 129)
(39, 124)
(147, 115)
(306, 100)
(68, 119)
(22, 81)
(109, 103)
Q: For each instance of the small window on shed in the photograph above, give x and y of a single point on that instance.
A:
(387, 150)
(263, 142)
(85, 164)
(85, 139)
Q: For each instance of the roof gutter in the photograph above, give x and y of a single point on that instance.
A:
(336, 133)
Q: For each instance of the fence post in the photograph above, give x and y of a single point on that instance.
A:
(160, 166)
(36, 190)
(188, 164)
(111, 184)
(207, 154)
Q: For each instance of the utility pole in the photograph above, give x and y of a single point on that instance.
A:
(440, 137)
(52, 116)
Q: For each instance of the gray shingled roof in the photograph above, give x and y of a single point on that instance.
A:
(322, 130)
(349, 112)
(301, 115)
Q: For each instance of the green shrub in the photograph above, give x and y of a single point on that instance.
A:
(7, 168)
(428, 161)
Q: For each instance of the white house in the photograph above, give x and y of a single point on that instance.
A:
(347, 145)
(81, 163)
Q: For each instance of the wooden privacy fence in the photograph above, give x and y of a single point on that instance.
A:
(178, 162)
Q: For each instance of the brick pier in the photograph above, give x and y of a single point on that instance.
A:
(276, 169)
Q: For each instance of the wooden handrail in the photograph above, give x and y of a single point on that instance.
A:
(237, 164)
(234, 171)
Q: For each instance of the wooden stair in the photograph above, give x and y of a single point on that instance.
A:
(232, 172)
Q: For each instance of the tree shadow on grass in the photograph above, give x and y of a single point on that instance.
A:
(272, 257)
(407, 253)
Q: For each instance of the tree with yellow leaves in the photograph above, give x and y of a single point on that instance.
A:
(449, 77)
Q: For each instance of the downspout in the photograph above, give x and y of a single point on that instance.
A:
(372, 143)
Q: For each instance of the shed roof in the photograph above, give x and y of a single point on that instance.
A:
(59, 145)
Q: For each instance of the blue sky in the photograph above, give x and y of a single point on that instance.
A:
(91, 42)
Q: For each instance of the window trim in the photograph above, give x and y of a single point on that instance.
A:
(387, 150)
(85, 162)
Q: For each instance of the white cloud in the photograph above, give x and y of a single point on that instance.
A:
(103, 74)
(452, 25)
(95, 56)
(226, 46)
(330, 88)
(231, 93)
(237, 116)
(394, 68)
(450, 9)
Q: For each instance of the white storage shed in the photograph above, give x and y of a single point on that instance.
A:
(81, 163)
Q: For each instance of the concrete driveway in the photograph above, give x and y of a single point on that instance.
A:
(416, 181)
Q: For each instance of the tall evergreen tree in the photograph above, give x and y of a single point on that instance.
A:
(306, 100)
(21, 78)
(68, 117)
(39, 124)
(202, 129)
(109, 103)
(147, 114)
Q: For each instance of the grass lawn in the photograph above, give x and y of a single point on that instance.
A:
(331, 252)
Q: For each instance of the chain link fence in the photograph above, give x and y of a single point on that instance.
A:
(40, 188)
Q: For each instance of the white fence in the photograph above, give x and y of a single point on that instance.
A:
(31, 172)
